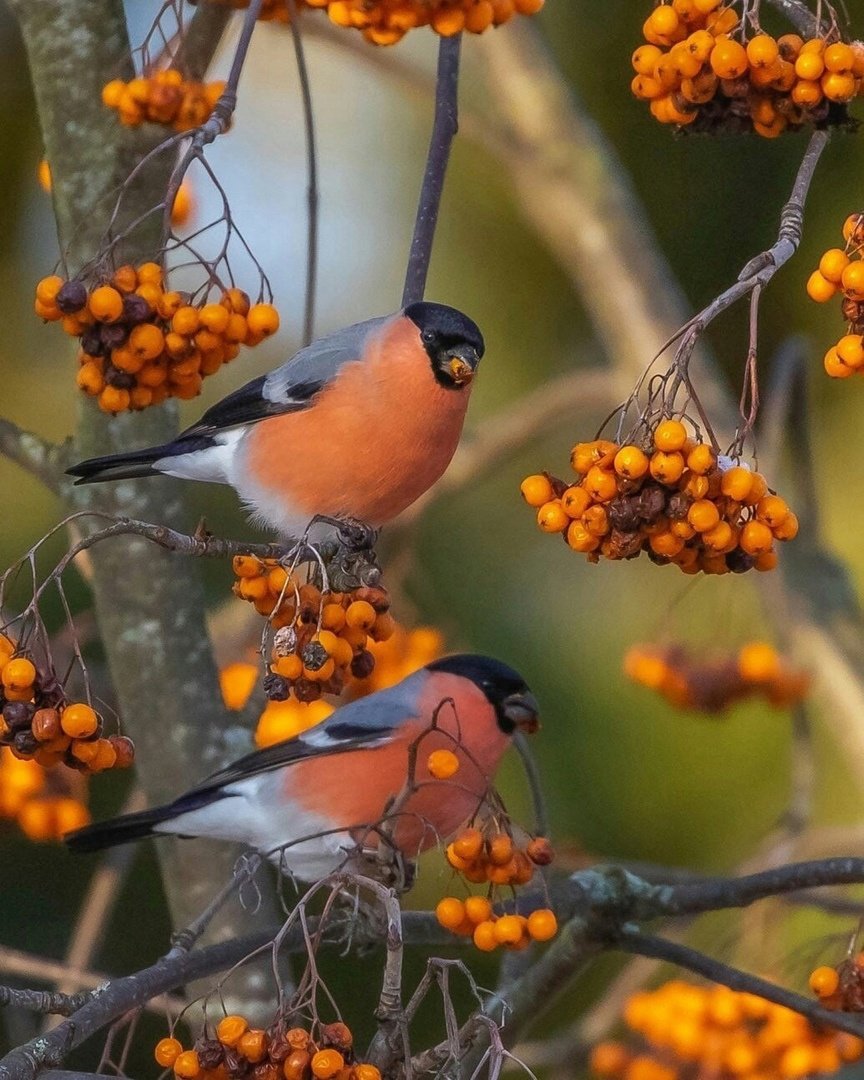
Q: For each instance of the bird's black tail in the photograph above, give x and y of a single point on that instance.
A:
(120, 830)
(118, 466)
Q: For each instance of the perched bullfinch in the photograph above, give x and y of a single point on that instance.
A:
(309, 801)
(356, 426)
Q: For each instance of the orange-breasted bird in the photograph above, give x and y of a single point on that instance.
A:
(309, 801)
(356, 426)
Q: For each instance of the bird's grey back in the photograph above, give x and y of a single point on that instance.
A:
(320, 361)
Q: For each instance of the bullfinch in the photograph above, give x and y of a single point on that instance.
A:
(308, 802)
(355, 427)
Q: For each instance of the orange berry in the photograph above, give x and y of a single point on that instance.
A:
(112, 400)
(484, 936)
(609, 1059)
(360, 615)
(728, 59)
(289, 667)
(263, 319)
(186, 1065)
(600, 484)
(645, 58)
(832, 264)
(111, 94)
(146, 341)
(787, 529)
(450, 912)
(824, 981)
(48, 287)
(542, 925)
(537, 490)
(150, 273)
(478, 909)
(851, 225)
(701, 459)
(79, 720)
(819, 288)
(762, 51)
(70, 814)
(105, 304)
(167, 1051)
(631, 462)
(834, 365)
(326, 1064)
(552, 518)
(670, 435)
(850, 349)
(839, 86)
(809, 65)
(756, 538)
(852, 280)
(468, 844)
(758, 662)
(18, 674)
(230, 1029)
(736, 483)
(442, 764)
(575, 501)
(185, 321)
(667, 468)
(580, 539)
(508, 930)
(703, 515)
(252, 1045)
(720, 538)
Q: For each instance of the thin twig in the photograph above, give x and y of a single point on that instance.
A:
(444, 128)
(634, 941)
(312, 196)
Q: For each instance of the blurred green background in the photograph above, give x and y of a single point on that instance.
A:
(626, 777)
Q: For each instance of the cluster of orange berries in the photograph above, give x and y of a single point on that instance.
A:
(692, 681)
(694, 72)
(405, 652)
(699, 1030)
(44, 805)
(488, 855)
(164, 97)
(474, 917)
(321, 638)
(840, 987)
(842, 270)
(277, 1053)
(37, 722)
(675, 499)
(141, 343)
(384, 22)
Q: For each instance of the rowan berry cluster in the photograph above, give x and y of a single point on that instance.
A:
(690, 680)
(239, 1052)
(700, 69)
(491, 856)
(840, 987)
(474, 917)
(321, 639)
(279, 720)
(142, 343)
(841, 270)
(44, 805)
(399, 656)
(165, 97)
(384, 22)
(689, 1030)
(36, 720)
(672, 498)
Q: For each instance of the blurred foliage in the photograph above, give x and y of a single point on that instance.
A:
(626, 777)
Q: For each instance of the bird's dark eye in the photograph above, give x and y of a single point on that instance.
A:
(428, 335)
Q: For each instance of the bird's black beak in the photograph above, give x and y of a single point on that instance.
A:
(521, 712)
(460, 363)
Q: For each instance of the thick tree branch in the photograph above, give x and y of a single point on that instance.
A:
(40, 457)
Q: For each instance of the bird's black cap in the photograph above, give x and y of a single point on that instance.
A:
(515, 705)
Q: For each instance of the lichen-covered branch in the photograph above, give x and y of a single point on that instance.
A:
(39, 457)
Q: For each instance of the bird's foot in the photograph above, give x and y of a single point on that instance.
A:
(354, 535)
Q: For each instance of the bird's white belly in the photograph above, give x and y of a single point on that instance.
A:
(255, 812)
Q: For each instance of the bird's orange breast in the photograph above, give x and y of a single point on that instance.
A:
(354, 789)
(372, 441)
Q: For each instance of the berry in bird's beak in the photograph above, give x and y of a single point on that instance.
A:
(522, 711)
(460, 371)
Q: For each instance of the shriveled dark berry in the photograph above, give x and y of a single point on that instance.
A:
(71, 297)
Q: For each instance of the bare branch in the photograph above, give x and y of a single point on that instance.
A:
(40, 457)
(444, 129)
